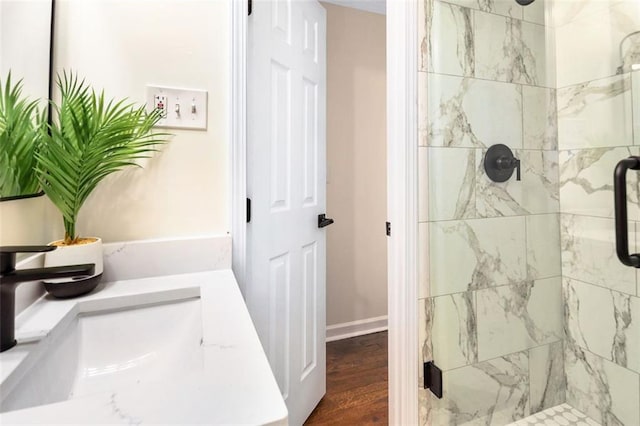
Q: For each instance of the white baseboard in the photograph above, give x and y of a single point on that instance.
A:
(356, 328)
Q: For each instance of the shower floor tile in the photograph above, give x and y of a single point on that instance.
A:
(561, 415)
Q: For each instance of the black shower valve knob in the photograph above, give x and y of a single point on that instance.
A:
(499, 163)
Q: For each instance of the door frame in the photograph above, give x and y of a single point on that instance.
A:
(402, 190)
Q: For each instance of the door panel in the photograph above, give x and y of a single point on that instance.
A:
(286, 152)
(281, 136)
(279, 315)
(281, 10)
(310, 305)
(311, 39)
(310, 132)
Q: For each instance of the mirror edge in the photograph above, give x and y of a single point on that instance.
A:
(49, 96)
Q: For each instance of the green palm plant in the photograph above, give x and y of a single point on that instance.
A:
(19, 123)
(88, 139)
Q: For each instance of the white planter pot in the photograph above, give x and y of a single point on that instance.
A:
(75, 255)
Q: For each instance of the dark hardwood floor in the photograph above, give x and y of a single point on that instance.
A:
(356, 383)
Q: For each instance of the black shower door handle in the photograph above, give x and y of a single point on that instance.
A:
(620, 199)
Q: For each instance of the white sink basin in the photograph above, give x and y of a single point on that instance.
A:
(109, 352)
(177, 349)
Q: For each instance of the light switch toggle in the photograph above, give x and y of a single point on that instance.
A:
(193, 108)
(177, 109)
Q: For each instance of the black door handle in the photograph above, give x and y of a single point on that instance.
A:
(323, 220)
(620, 199)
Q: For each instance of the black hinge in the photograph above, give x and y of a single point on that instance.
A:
(250, 6)
(433, 379)
(388, 229)
(248, 210)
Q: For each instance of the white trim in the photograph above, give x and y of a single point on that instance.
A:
(402, 181)
(347, 330)
(238, 137)
(402, 208)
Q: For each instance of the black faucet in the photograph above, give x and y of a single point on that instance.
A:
(10, 279)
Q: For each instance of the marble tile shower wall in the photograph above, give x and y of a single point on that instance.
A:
(490, 272)
(595, 131)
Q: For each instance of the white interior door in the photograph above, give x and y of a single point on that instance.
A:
(286, 181)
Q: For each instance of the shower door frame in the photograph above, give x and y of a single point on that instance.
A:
(402, 190)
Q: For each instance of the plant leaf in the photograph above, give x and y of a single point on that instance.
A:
(20, 121)
(89, 139)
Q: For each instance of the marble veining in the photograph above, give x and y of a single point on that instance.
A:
(537, 192)
(470, 254)
(546, 376)
(450, 330)
(540, 181)
(449, 124)
(459, 117)
(494, 392)
(614, 333)
(589, 254)
(540, 118)
(517, 317)
(498, 198)
(631, 53)
(543, 246)
(510, 50)
(117, 412)
(586, 184)
(452, 173)
(466, 196)
(450, 47)
(575, 99)
(460, 188)
(595, 114)
(425, 14)
(623, 318)
(499, 7)
(603, 390)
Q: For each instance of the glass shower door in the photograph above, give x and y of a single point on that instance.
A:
(524, 303)
(600, 294)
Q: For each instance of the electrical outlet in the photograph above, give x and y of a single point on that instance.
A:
(181, 108)
(160, 104)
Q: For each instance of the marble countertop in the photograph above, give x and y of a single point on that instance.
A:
(235, 387)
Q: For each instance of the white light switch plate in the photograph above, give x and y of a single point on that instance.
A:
(185, 108)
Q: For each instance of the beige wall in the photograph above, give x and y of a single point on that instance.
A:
(24, 222)
(356, 165)
(122, 46)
